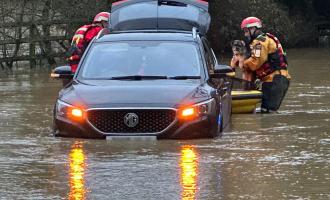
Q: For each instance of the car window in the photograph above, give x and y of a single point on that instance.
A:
(147, 58)
(209, 56)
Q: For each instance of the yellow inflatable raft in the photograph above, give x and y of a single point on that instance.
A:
(245, 101)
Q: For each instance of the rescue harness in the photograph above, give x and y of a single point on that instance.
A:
(276, 61)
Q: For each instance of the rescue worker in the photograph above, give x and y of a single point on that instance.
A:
(269, 63)
(83, 36)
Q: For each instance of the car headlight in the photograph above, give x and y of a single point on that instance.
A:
(68, 111)
(196, 110)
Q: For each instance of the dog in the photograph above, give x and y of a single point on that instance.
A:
(239, 50)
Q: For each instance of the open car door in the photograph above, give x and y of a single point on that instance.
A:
(183, 15)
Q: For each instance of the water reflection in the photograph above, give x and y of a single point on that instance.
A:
(189, 172)
(77, 172)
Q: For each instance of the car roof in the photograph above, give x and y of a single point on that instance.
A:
(146, 36)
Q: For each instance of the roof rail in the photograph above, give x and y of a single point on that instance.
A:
(103, 32)
(194, 32)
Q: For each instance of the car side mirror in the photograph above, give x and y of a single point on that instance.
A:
(221, 71)
(62, 72)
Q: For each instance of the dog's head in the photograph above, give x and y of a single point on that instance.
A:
(238, 47)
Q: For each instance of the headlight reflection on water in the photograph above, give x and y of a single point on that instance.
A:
(188, 166)
(189, 172)
(77, 172)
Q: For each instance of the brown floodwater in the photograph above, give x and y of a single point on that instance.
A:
(274, 156)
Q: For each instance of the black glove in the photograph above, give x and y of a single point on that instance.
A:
(73, 49)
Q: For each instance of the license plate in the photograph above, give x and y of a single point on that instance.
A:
(131, 138)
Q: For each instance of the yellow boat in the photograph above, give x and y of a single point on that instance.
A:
(245, 101)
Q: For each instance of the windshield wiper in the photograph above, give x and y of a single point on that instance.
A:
(184, 77)
(142, 77)
(137, 77)
(171, 3)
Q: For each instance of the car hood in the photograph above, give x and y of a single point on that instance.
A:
(145, 93)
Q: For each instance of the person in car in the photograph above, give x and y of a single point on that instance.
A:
(269, 63)
(83, 36)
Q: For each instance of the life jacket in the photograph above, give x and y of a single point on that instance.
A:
(78, 44)
(275, 61)
(81, 39)
(79, 36)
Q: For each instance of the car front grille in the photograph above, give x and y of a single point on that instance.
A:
(118, 121)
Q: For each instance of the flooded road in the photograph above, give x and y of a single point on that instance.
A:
(275, 156)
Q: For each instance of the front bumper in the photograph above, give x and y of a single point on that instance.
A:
(164, 123)
(67, 128)
(197, 128)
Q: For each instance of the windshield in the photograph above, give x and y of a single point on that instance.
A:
(141, 58)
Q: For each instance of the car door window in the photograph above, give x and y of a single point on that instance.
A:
(208, 56)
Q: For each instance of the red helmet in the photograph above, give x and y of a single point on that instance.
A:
(251, 22)
(102, 16)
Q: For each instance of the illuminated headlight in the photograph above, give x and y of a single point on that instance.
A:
(68, 111)
(197, 110)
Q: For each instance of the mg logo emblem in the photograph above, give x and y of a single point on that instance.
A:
(131, 120)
